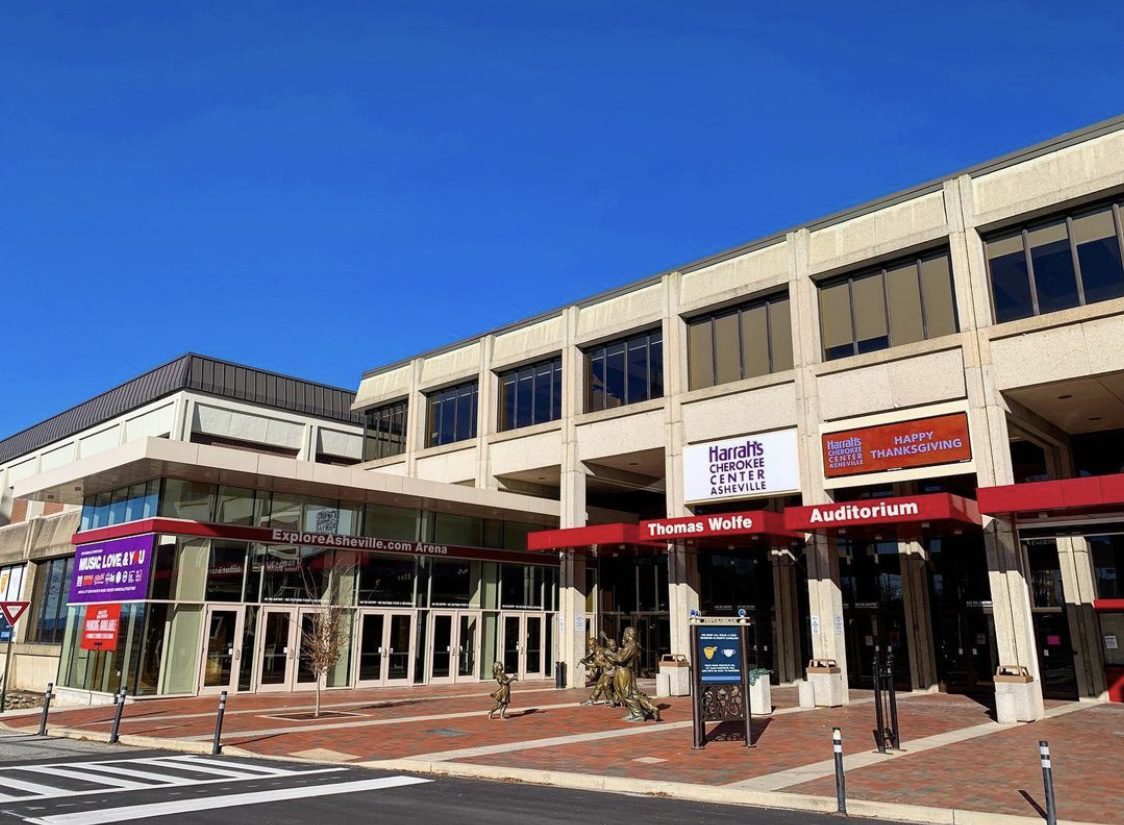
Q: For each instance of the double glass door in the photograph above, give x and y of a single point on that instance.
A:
(283, 663)
(454, 645)
(386, 649)
(527, 644)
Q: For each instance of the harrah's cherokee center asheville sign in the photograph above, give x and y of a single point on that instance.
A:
(112, 571)
(752, 465)
(942, 439)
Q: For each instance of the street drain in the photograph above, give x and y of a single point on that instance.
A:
(449, 732)
(305, 716)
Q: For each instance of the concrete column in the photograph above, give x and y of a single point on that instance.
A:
(918, 616)
(415, 418)
(1079, 591)
(786, 617)
(572, 629)
(683, 594)
(486, 413)
(987, 415)
(825, 600)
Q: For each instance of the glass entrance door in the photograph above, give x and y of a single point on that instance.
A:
(277, 649)
(454, 642)
(527, 644)
(385, 649)
(222, 650)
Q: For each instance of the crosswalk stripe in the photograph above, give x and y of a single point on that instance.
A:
(218, 768)
(162, 778)
(84, 775)
(216, 802)
(22, 785)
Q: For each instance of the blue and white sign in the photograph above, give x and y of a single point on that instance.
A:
(749, 466)
(719, 655)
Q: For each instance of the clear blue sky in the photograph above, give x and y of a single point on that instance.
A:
(323, 187)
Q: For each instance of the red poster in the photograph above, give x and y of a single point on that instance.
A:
(922, 442)
(99, 630)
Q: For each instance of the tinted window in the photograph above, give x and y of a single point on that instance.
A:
(624, 372)
(452, 414)
(743, 342)
(531, 395)
(385, 431)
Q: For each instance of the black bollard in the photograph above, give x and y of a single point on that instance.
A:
(895, 739)
(46, 708)
(879, 719)
(840, 783)
(216, 746)
(119, 701)
(1048, 782)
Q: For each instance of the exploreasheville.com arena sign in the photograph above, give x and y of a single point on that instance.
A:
(751, 465)
(922, 442)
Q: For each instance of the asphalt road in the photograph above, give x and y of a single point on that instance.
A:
(62, 782)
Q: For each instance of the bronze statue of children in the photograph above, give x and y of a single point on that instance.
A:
(501, 694)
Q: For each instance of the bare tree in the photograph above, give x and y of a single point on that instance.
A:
(324, 637)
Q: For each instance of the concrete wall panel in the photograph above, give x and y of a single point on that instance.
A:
(100, 441)
(338, 442)
(925, 379)
(743, 275)
(621, 313)
(877, 233)
(451, 367)
(454, 467)
(527, 342)
(768, 408)
(541, 450)
(155, 423)
(385, 386)
(625, 434)
(243, 426)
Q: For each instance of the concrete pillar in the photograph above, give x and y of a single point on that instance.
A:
(683, 595)
(1079, 591)
(918, 616)
(786, 617)
(825, 600)
(572, 629)
(415, 418)
(987, 414)
(487, 409)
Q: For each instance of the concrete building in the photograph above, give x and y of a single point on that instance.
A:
(894, 429)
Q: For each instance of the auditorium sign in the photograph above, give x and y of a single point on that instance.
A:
(922, 442)
(749, 466)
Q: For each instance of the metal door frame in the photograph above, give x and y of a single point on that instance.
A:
(236, 652)
(384, 649)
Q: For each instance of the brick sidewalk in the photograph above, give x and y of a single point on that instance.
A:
(997, 771)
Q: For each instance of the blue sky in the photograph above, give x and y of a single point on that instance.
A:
(319, 188)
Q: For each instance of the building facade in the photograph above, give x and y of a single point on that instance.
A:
(898, 429)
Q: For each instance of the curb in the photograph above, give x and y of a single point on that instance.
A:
(711, 794)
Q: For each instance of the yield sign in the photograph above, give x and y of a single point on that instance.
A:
(13, 610)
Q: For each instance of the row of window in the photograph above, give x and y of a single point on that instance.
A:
(1064, 261)
(221, 504)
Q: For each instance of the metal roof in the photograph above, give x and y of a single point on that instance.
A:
(188, 372)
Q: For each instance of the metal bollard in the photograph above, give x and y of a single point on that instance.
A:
(46, 708)
(216, 746)
(1048, 782)
(879, 719)
(840, 782)
(895, 737)
(119, 701)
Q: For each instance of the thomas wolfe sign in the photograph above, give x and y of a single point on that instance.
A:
(698, 526)
(941, 439)
(753, 465)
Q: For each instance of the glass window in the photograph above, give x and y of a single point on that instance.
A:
(386, 581)
(780, 335)
(700, 353)
(749, 340)
(226, 571)
(1052, 261)
(531, 395)
(624, 372)
(391, 522)
(285, 511)
(189, 500)
(292, 574)
(727, 348)
(384, 433)
(1098, 255)
(1074, 259)
(323, 515)
(452, 414)
(908, 300)
(754, 330)
(521, 587)
(452, 583)
(452, 529)
(235, 506)
(48, 602)
(1108, 565)
(118, 500)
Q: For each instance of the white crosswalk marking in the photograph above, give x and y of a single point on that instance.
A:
(120, 775)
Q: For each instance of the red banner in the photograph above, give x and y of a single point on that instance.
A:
(922, 442)
(99, 630)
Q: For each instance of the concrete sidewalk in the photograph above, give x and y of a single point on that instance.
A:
(954, 758)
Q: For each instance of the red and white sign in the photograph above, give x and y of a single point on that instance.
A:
(13, 610)
(877, 512)
(753, 522)
(922, 442)
(99, 630)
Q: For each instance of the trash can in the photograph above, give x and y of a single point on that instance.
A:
(760, 691)
(560, 675)
(674, 676)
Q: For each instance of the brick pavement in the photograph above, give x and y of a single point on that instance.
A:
(550, 731)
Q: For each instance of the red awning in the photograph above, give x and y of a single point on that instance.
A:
(1068, 496)
(933, 513)
(1108, 605)
(751, 524)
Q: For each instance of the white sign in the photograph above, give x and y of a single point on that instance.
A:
(745, 467)
(815, 625)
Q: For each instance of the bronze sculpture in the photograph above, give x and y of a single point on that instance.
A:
(604, 690)
(640, 707)
(501, 694)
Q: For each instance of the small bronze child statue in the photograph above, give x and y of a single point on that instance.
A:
(501, 694)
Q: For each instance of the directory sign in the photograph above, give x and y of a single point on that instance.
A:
(719, 654)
